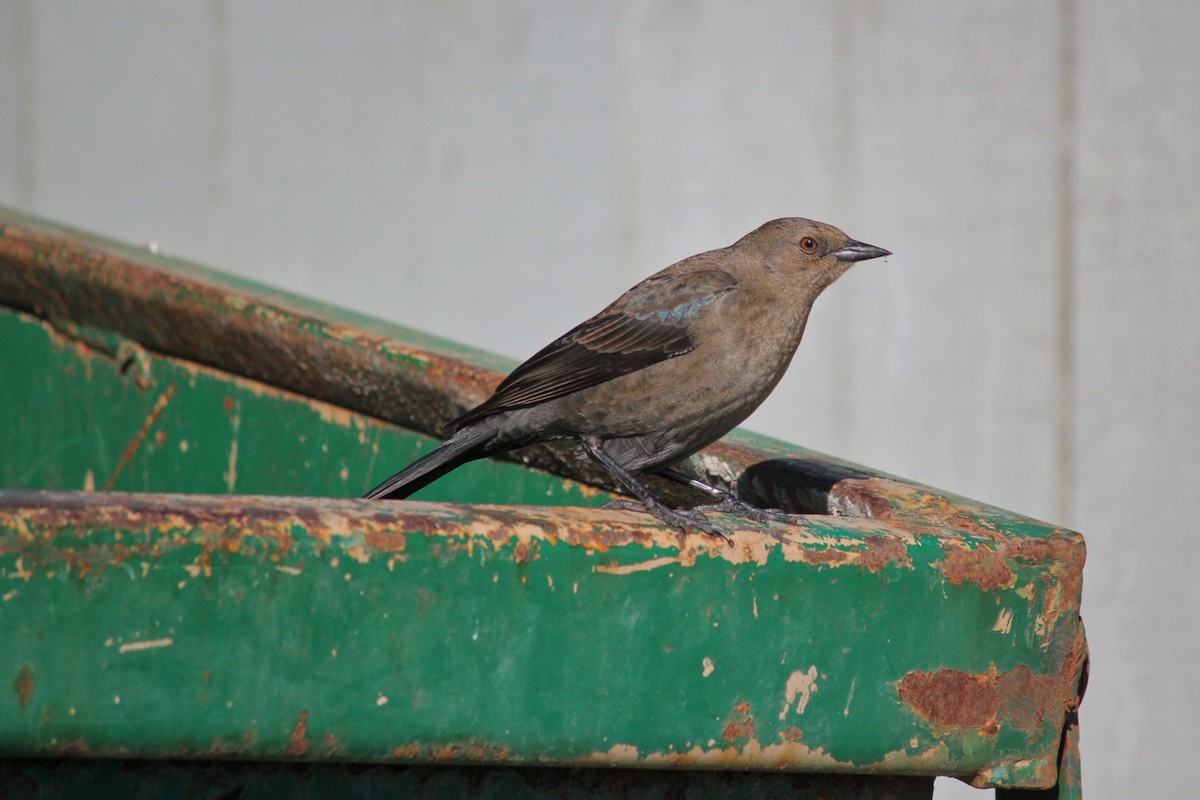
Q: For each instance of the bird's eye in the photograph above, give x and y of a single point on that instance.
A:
(808, 244)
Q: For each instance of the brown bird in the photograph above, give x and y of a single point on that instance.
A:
(669, 367)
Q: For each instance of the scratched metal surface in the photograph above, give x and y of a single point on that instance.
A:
(912, 633)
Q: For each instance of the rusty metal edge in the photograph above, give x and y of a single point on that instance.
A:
(968, 557)
(382, 526)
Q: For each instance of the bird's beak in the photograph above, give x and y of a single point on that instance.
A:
(859, 251)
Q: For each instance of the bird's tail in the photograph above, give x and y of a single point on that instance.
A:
(463, 446)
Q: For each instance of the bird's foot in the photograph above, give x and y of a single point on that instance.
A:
(693, 518)
(729, 504)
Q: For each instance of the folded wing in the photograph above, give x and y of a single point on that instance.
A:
(648, 324)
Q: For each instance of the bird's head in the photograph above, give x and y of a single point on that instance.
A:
(794, 248)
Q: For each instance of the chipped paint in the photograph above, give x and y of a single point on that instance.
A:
(708, 666)
(639, 566)
(799, 690)
(148, 644)
(752, 754)
(235, 423)
(335, 415)
(20, 573)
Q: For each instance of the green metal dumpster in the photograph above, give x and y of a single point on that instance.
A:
(192, 604)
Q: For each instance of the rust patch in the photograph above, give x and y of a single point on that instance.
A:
(457, 752)
(981, 565)
(524, 552)
(791, 733)
(955, 700)
(221, 747)
(739, 730)
(921, 505)
(385, 541)
(409, 752)
(883, 550)
(950, 698)
(298, 744)
(471, 753)
(1065, 555)
(829, 555)
(24, 684)
(740, 725)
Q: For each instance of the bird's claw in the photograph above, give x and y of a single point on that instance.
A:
(624, 505)
(731, 505)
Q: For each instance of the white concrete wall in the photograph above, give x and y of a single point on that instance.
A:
(495, 172)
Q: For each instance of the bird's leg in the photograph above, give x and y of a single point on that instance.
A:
(680, 519)
(725, 501)
(695, 483)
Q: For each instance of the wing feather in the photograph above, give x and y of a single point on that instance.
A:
(644, 326)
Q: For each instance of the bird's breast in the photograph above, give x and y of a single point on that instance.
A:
(737, 360)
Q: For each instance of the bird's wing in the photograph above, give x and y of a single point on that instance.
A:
(647, 324)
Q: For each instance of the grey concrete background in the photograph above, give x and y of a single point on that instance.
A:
(495, 172)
